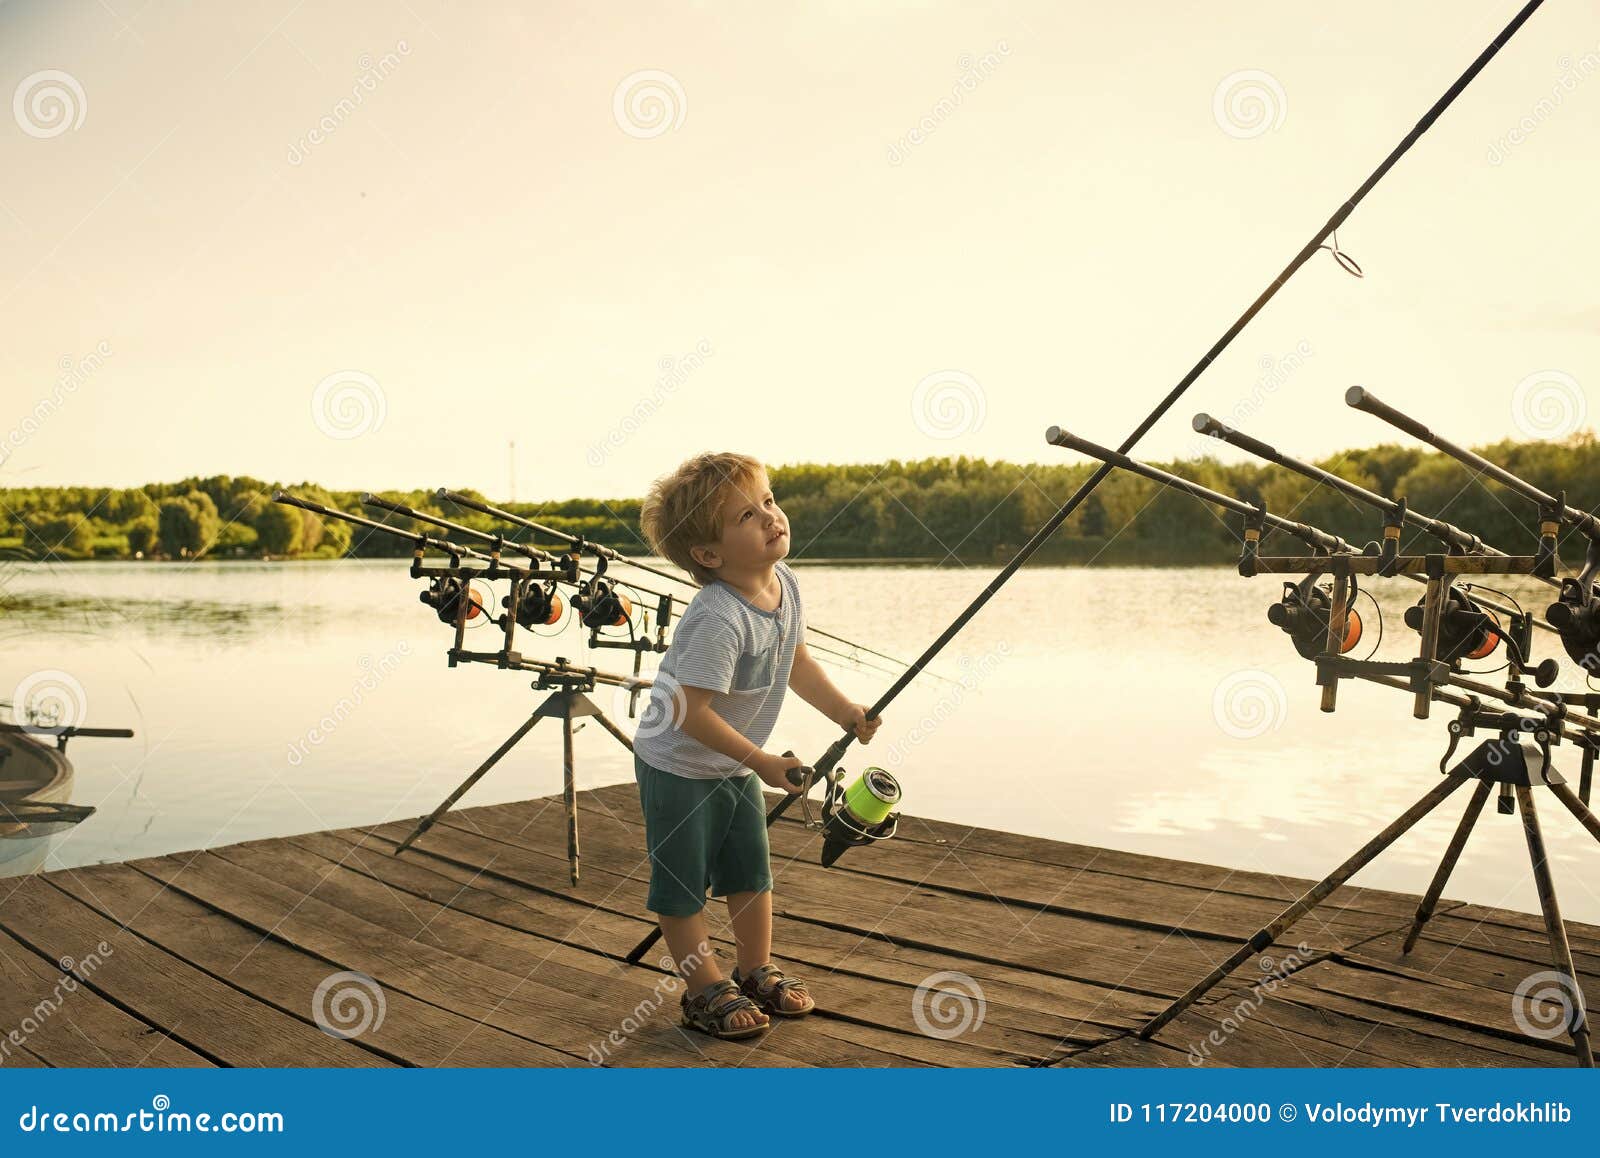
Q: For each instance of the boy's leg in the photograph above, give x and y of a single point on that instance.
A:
(678, 816)
(686, 938)
(751, 916)
(689, 943)
(742, 870)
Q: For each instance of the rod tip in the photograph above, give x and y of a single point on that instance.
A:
(366, 497)
(1053, 435)
(1355, 396)
(1202, 423)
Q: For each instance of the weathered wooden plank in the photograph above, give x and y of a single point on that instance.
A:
(905, 916)
(873, 1000)
(487, 955)
(203, 1014)
(1489, 968)
(1039, 851)
(1130, 1053)
(609, 983)
(1163, 906)
(1437, 1042)
(1265, 1040)
(410, 1031)
(65, 1023)
(1296, 1026)
(21, 1059)
(561, 1018)
(1435, 998)
(1338, 1032)
(1519, 935)
(1086, 1013)
(1094, 951)
(1092, 1010)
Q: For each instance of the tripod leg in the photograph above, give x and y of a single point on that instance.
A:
(1576, 806)
(569, 793)
(605, 722)
(427, 821)
(1452, 853)
(1560, 949)
(1314, 897)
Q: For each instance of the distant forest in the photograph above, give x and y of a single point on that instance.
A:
(939, 509)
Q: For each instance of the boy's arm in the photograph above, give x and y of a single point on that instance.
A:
(707, 654)
(811, 683)
(701, 722)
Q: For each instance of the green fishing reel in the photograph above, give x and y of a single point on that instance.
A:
(861, 812)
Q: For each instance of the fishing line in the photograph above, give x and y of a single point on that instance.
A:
(1378, 610)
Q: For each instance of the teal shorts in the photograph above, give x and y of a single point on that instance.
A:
(702, 834)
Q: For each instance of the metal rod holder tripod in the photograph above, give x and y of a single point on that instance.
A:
(1517, 768)
(569, 702)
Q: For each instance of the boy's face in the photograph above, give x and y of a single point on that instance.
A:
(755, 532)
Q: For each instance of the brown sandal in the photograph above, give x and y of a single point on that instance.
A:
(767, 987)
(711, 1011)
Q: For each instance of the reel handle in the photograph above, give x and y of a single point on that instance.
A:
(798, 776)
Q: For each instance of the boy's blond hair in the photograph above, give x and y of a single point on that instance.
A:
(684, 508)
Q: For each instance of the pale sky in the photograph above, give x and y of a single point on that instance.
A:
(489, 246)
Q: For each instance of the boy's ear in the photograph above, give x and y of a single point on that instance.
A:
(707, 557)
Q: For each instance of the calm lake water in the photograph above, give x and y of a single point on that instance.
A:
(1149, 710)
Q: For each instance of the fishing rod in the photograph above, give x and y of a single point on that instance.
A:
(598, 601)
(1451, 622)
(611, 554)
(453, 593)
(838, 748)
(535, 607)
(1309, 535)
(1303, 629)
(1576, 612)
(579, 574)
(1306, 608)
(1359, 398)
(367, 499)
(419, 539)
(1453, 626)
(1397, 511)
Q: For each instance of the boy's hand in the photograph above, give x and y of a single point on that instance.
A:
(774, 770)
(855, 720)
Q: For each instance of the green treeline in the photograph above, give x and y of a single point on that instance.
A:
(935, 509)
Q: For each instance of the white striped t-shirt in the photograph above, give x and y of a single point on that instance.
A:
(741, 653)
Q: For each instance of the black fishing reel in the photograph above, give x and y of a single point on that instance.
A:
(1576, 614)
(861, 812)
(1303, 614)
(1466, 629)
(538, 606)
(445, 594)
(599, 603)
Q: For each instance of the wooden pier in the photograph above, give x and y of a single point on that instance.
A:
(947, 946)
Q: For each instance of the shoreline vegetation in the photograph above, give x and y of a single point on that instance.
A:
(930, 511)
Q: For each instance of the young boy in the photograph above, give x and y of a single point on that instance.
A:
(736, 649)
